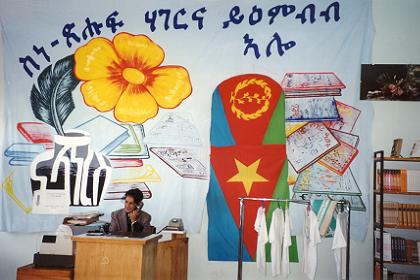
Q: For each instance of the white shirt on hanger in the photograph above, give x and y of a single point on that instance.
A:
(260, 227)
(311, 239)
(287, 242)
(275, 236)
(339, 244)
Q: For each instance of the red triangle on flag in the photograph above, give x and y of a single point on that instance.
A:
(249, 102)
(250, 171)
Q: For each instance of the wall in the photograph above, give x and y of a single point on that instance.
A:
(396, 41)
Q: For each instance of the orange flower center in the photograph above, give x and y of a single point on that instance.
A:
(133, 76)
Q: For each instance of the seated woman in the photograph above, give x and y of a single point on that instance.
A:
(130, 218)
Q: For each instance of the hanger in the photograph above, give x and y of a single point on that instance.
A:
(342, 202)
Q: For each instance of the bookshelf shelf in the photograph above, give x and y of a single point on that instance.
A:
(396, 263)
(393, 214)
(402, 263)
(397, 159)
(396, 227)
(401, 227)
(398, 193)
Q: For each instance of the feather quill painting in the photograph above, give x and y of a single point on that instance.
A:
(51, 99)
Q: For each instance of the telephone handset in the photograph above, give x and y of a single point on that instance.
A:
(138, 207)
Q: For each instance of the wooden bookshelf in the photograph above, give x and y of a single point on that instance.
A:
(384, 179)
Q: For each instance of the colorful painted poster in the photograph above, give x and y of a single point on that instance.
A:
(318, 179)
(339, 159)
(91, 71)
(183, 161)
(311, 109)
(348, 118)
(311, 81)
(308, 144)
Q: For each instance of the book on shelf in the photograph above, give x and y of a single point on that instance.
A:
(377, 272)
(404, 250)
(387, 254)
(396, 249)
(403, 276)
(387, 247)
(399, 214)
(399, 180)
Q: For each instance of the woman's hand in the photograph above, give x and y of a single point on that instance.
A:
(134, 215)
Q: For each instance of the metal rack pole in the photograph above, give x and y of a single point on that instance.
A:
(375, 189)
(241, 237)
(348, 241)
(381, 212)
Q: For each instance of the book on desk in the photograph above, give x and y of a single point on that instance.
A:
(82, 219)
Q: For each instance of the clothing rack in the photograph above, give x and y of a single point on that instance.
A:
(342, 202)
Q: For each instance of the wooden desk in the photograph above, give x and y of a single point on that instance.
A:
(172, 258)
(115, 257)
(30, 272)
(170, 262)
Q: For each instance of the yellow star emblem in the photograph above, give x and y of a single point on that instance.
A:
(247, 175)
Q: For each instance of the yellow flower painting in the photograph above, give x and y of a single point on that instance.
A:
(125, 75)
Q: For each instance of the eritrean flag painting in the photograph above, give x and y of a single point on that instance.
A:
(248, 158)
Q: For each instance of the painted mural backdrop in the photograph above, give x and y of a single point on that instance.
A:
(99, 99)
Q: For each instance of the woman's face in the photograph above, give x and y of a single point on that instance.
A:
(129, 204)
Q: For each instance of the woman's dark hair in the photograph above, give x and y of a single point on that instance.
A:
(136, 194)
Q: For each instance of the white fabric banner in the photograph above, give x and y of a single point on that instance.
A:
(137, 79)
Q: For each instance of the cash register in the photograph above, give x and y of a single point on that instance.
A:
(56, 250)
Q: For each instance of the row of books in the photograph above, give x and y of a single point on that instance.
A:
(399, 214)
(400, 276)
(389, 275)
(399, 180)
(397, 249)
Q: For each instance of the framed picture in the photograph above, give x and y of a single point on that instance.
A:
(390, 82)
(396, 148)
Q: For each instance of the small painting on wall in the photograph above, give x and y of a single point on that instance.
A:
(399, 82)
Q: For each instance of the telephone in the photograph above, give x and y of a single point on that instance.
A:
(175, 224)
